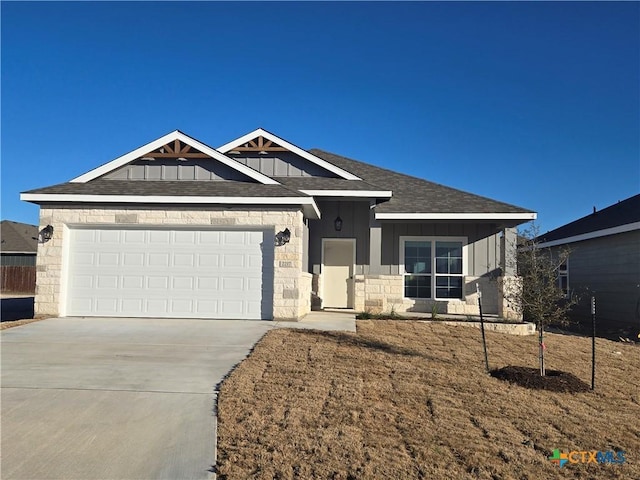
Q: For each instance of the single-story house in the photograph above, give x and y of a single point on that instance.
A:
(604, 261)
(18, 248)
(260, 228)
(18, 243)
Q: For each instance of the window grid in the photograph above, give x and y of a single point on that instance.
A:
(433, 268)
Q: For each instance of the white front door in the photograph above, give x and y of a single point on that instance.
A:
(337, 273)
(170, 272)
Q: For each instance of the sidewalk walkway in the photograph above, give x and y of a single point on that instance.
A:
(335, 320)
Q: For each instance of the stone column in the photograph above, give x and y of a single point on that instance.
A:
(509, 284)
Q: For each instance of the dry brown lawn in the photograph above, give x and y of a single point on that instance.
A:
(412, 400)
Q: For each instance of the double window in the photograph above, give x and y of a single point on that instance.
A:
(432, 267)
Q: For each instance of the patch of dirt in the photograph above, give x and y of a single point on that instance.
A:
(412, 400)
(17, 323)
(553, 381)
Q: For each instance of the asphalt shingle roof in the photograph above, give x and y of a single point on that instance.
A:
(410, 194)
(18, 237)
(324, 183)
(183, 188)
(415, 195)
(622, 213)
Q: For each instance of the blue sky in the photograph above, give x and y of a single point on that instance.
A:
(534, 104)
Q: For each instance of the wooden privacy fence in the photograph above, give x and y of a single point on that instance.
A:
(18, 278)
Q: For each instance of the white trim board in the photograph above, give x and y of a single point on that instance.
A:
(402, 239)
(259, 132)
(175, 135)
(348, 193)
(629, 227)
(457, 216)
(309, 205)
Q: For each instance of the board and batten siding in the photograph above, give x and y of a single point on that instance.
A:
(202, 169)
(483, 249)
(283, 164)
(610, 267)
(355, 224)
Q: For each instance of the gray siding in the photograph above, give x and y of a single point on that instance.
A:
(610, 267)
(171, 169)
(483, 248)
(355, 224)
(282, 164)
(17, 259)
(483, 239)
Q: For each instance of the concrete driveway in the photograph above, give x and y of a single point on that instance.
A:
(107, 398)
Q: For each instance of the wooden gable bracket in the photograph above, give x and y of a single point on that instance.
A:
(176, 149)
(260, 144)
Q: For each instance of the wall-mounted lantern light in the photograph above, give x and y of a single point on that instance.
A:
(45, 234)
(283, 237)
(337, 223)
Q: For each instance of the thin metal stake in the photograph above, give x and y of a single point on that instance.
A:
(593, 343)
(484, 341)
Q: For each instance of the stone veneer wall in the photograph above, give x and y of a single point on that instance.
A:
(304, 306)
(291, 287)
(384, 293)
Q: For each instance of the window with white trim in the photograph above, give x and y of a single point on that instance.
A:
(563, 278)
(432, 267)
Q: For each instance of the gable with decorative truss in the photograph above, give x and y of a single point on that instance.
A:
(273, 156)
(175, 156)
(177, 160)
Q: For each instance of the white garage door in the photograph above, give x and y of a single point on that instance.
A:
(170, 273)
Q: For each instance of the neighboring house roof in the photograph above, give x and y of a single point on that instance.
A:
(621, 217)
(398, 196)
(415, 198)
(18, 237)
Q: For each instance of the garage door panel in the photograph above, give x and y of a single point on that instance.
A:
(158, 260)
(108, 236)
(107, 305)
(207, 283)
(133, 282)
(134, 236)
(84, 259)
(233, 238)
(107, 281)
(159, 237)
(208, 260)
(183, 260)
(182, 283)
(182, 306)
(133, 305)
(185, 237)
(134, 259)
(157, 307)
(170, 273)
(161, 283)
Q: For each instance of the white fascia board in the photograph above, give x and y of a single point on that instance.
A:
(175, 135)
(629, 227)
(227, 147)
(456, 216)
(309, 205)
(349, 193)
